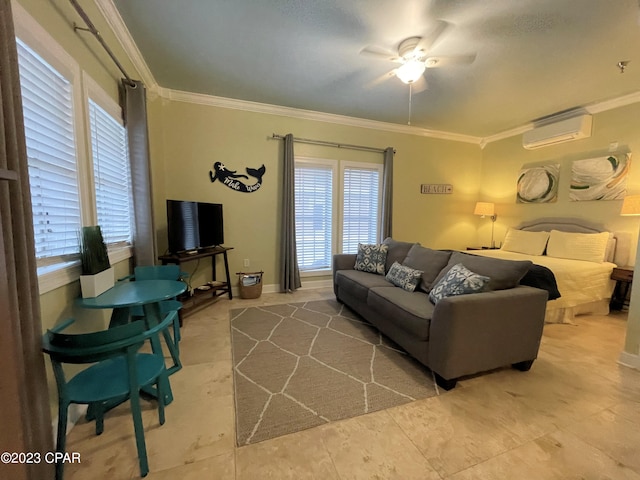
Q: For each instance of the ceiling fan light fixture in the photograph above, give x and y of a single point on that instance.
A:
(410, 71)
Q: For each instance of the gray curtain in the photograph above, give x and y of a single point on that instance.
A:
(289, 272)
(25, 415)
(134, 105)
(387, 195)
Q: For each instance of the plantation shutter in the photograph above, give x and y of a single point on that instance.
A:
(112, 176)
(361, 194)
(314, 218)
(49, 131)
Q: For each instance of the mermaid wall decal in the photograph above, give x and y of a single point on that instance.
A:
(230, 177)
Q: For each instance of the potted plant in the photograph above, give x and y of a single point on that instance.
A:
(97, 273)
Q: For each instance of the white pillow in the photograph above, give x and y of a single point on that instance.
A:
(590, 247)
(520, 241)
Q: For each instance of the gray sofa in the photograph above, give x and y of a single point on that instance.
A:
(459, 335)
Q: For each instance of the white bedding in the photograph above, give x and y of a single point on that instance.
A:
(585, 287)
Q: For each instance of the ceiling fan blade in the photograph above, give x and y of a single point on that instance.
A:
(381, 54)
(382, 78)
(419, 85)
(448, 60)
(427, 42)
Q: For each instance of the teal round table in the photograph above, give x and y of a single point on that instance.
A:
(147, 294)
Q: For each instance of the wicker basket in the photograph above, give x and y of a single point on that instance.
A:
(250, 284)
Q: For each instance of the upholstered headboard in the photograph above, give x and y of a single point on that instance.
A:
(619, 247)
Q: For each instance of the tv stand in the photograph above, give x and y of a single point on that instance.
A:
(201, 298)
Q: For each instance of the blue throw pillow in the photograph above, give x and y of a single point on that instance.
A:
(404, 277)
(371, 258)
(457, 281)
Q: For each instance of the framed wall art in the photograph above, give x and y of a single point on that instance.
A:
(601, 178)
(538, 184)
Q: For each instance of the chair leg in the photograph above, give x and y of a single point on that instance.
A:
(61, 440)
(139, 430)
(160, 390)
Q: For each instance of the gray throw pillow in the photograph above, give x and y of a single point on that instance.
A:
(458, 280)
(371, 258)
(404, 277)
(504, 273)
(431, 262)
(397, 251)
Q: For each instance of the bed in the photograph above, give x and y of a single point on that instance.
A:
(582, 264)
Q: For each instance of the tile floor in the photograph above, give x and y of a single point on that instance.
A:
(575, 415)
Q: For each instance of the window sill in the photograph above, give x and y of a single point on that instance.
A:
(315, 273)
(55, 276)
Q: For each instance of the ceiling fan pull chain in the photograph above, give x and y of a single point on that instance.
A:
(409, 122)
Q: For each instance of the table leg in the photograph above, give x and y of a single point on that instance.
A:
(152, 318)
(226, 270)
(119, 316)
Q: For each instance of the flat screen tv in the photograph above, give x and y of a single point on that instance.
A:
(193, 225)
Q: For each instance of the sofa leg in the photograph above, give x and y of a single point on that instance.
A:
(523, 366)
(444, 383)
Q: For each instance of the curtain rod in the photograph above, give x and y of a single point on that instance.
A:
(93, 30)
(331, 144)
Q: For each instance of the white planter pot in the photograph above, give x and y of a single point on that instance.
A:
(94, 285)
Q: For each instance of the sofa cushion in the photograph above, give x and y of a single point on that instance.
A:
(503, 273)
(371, 258)
(357, 284)
(431, 262)
(404, 277)
(397, 252)
(459, 280)
(411, 311)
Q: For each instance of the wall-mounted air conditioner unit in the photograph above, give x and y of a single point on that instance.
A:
(562, 131)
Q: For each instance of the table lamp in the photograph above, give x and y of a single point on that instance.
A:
(485, 209)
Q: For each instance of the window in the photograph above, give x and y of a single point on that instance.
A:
(360, 206)
(111, 175)
(314, 214)
(320, 217)
(51, 150)
(76, 149)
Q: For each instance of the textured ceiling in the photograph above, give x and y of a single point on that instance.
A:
(534, 58)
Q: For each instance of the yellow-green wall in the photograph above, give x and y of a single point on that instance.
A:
(187, 138)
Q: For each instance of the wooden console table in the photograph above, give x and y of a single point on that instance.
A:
(200, 297)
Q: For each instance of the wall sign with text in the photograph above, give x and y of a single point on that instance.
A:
(436, 188)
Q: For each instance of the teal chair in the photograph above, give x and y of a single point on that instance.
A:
(118, 372)
(160, 272)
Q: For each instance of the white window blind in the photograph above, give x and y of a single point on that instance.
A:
(314, 216)
(112, 176)
(49, 129)
(361, 201)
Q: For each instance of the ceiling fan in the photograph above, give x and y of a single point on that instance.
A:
(413, 57)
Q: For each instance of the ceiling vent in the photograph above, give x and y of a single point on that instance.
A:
(558, 132)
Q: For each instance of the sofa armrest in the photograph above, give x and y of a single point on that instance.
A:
(342, 261)
(481, 331)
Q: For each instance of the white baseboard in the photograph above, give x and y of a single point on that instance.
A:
(629, 360)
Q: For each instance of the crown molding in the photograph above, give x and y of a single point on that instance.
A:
(117, 25)
(231, 103)
(113, 18)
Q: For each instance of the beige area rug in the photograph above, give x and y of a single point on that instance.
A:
(301, 365)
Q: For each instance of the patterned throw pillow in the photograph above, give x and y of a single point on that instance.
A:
(404, 277)
(457, 281)
(371, 258)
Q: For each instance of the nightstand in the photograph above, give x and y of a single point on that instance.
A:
(623, 277)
